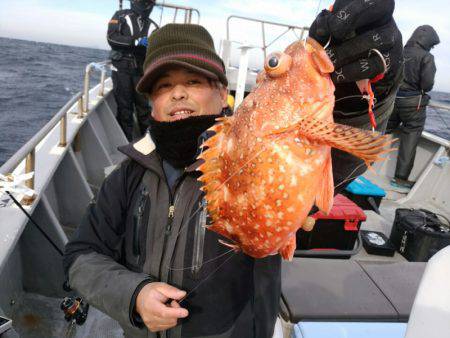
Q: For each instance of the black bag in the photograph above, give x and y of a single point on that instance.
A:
(418, 233)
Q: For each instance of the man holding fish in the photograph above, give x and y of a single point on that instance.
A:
(145, 253)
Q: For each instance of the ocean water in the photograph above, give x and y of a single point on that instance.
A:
(37, 79)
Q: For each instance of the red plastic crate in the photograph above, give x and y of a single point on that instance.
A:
(337, 230)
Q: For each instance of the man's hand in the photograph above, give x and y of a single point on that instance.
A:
(151, 306)
(354, 28)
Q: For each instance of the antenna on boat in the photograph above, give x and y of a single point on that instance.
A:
(318, 7)
(120, 4)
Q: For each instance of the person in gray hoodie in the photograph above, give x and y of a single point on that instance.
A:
(412, 99)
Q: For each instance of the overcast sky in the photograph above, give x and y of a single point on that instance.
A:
(84, 22)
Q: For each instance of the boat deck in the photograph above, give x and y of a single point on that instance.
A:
(48, 321)
(364, 287)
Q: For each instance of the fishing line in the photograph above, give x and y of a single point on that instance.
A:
(207, 277)
(363, 97)
(348, 178)
(183, 227)
(318, 7)
(162, 8)
(220, 186)
(16, 202)
(205, 262)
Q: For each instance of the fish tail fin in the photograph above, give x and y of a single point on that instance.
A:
(324, 197)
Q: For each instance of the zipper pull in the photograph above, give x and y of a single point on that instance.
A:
(171, 211)
(169, 223)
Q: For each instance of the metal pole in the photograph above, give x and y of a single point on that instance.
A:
(264, 40)
(86, 88)
(102, 83)
(242, 76)
(303, 32)
(226, 52)
(80, 107)
(63, 131)
(29, 167)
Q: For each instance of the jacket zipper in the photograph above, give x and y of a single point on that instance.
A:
(173, 198)
(138, 223)
(199, 239)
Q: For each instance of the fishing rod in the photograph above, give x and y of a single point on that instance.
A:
(74, 308)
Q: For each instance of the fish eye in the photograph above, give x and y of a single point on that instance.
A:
(277, 64)
(273, 62)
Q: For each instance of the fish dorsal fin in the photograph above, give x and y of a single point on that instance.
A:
(319, 56)
(365, 144)
(212, 176)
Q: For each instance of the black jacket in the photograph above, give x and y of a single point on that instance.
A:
(419, 62)
(125, 28)
(127, 239)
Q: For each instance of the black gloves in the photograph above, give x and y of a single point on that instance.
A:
(356, 27)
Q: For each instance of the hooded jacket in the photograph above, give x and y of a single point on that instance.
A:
(420, 68)
(129, 237)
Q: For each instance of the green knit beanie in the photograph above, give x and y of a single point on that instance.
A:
(186, 45)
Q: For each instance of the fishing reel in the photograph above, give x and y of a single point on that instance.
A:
(75, 310)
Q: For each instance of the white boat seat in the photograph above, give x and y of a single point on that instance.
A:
(431, 311)
(348, 290)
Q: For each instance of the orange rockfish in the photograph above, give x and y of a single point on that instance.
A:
(269, 163)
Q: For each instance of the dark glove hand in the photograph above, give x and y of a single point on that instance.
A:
(355, 28)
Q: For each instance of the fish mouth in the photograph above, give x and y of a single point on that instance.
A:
(181, 113)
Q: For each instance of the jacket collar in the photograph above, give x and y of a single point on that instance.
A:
(143, 151)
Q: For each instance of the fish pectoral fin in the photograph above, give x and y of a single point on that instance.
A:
(319, 57)
(365, 144)
(287, 251)
(232, 246)
(324, 197)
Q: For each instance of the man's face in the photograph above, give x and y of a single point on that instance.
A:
(180, 93)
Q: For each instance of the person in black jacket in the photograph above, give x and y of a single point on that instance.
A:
(127, 35)
(143, 245)
(363, 42)
(142, 253)
(412, 100)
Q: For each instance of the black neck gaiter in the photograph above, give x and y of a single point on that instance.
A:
(177, 142)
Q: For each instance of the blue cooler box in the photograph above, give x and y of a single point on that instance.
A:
(365, 194)
(349, 330)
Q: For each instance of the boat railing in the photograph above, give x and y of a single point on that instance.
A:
(102, 66)
(264, 23)
(434, 138)
(27, 151)
(188, 12)
(243, 80)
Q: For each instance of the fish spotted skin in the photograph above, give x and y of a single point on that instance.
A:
(269, 163)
